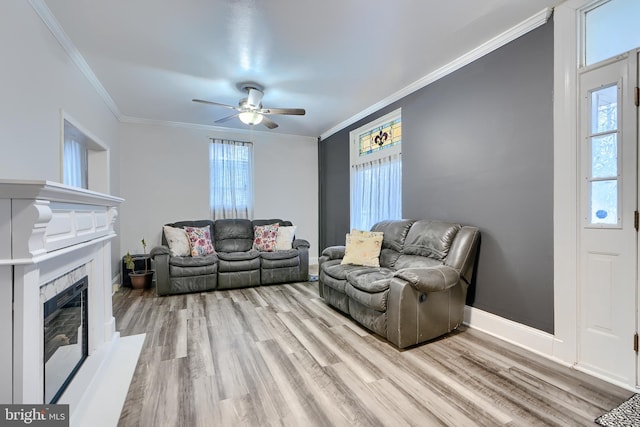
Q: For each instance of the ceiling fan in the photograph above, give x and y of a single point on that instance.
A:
(250, 110)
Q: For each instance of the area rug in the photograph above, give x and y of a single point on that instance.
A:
(627, 414)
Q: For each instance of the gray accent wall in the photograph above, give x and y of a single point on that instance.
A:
(477, 149)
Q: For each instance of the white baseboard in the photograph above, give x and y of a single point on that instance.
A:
(529, 338)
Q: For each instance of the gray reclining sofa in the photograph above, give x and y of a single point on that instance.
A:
(235, 263)
(418, 293)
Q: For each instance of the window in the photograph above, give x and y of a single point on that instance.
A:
(75, 163)
(376, 171)
(604, 167)
(85, 160)
(611, 29)
(231, 179)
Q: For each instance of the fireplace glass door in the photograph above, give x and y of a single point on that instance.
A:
(65, 338)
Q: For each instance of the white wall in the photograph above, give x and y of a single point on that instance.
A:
(37, 80)
(165, 178)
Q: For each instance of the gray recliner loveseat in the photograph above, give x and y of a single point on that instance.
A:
(235, 262)
(418, 293)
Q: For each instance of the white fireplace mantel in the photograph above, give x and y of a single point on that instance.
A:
(47, 230)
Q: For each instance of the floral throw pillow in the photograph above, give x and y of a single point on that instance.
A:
(200, 240)
(265, 237)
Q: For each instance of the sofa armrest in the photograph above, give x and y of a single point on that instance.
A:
(300, 243)
(160, 250)
(430, 279)
(160, 255)
(334, 252)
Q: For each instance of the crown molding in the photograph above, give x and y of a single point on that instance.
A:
(56, 29)
(500, 40)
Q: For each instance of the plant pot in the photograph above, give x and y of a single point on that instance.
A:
(140, 279)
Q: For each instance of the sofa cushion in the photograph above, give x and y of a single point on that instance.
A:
(199, 240)
(264, 237)
(189, 261)
(363, 249)
(238, 256)
(177, 240)
(395, 233)
(193, 266)
(280, 259)
(375, 301)
(233, 235)
(334, 269)
(268, 264)
(238, 265)
(371, 280)
(388, 257)
(430, 239)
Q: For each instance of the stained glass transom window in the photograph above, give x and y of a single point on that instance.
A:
(380, 137)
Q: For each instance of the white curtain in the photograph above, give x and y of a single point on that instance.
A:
(74, 164)
(231, 179)
(377, 192)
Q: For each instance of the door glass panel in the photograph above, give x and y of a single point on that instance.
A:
(604, 108)
(604, 174)
(611, 29)
(604, 202)
(604, 156)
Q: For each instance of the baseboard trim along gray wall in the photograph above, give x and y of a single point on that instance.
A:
(477, 149)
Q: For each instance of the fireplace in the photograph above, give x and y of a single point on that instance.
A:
(56, 320)
(66, 338)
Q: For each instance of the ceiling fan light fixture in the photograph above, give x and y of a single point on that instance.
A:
(250, 117)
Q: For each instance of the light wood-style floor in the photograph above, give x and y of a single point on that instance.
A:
(277, 355)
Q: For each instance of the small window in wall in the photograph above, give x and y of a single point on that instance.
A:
(75, 171)
(386, 135)
(604, 168)
(231, 179)
(611, 28)
(85, 161)
(376, 171)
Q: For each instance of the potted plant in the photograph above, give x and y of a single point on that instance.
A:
(140, 279)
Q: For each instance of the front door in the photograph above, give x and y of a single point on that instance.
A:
(608, 233)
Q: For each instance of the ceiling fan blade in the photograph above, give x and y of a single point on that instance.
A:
(224, 119)
(269, 123)
(289, 111)
(215, 103)
(254, 98)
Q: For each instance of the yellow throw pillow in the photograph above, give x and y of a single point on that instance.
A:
(363, 249)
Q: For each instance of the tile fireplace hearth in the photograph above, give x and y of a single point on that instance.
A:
(49, 234)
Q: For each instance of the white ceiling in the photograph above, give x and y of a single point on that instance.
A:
(335, 58)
